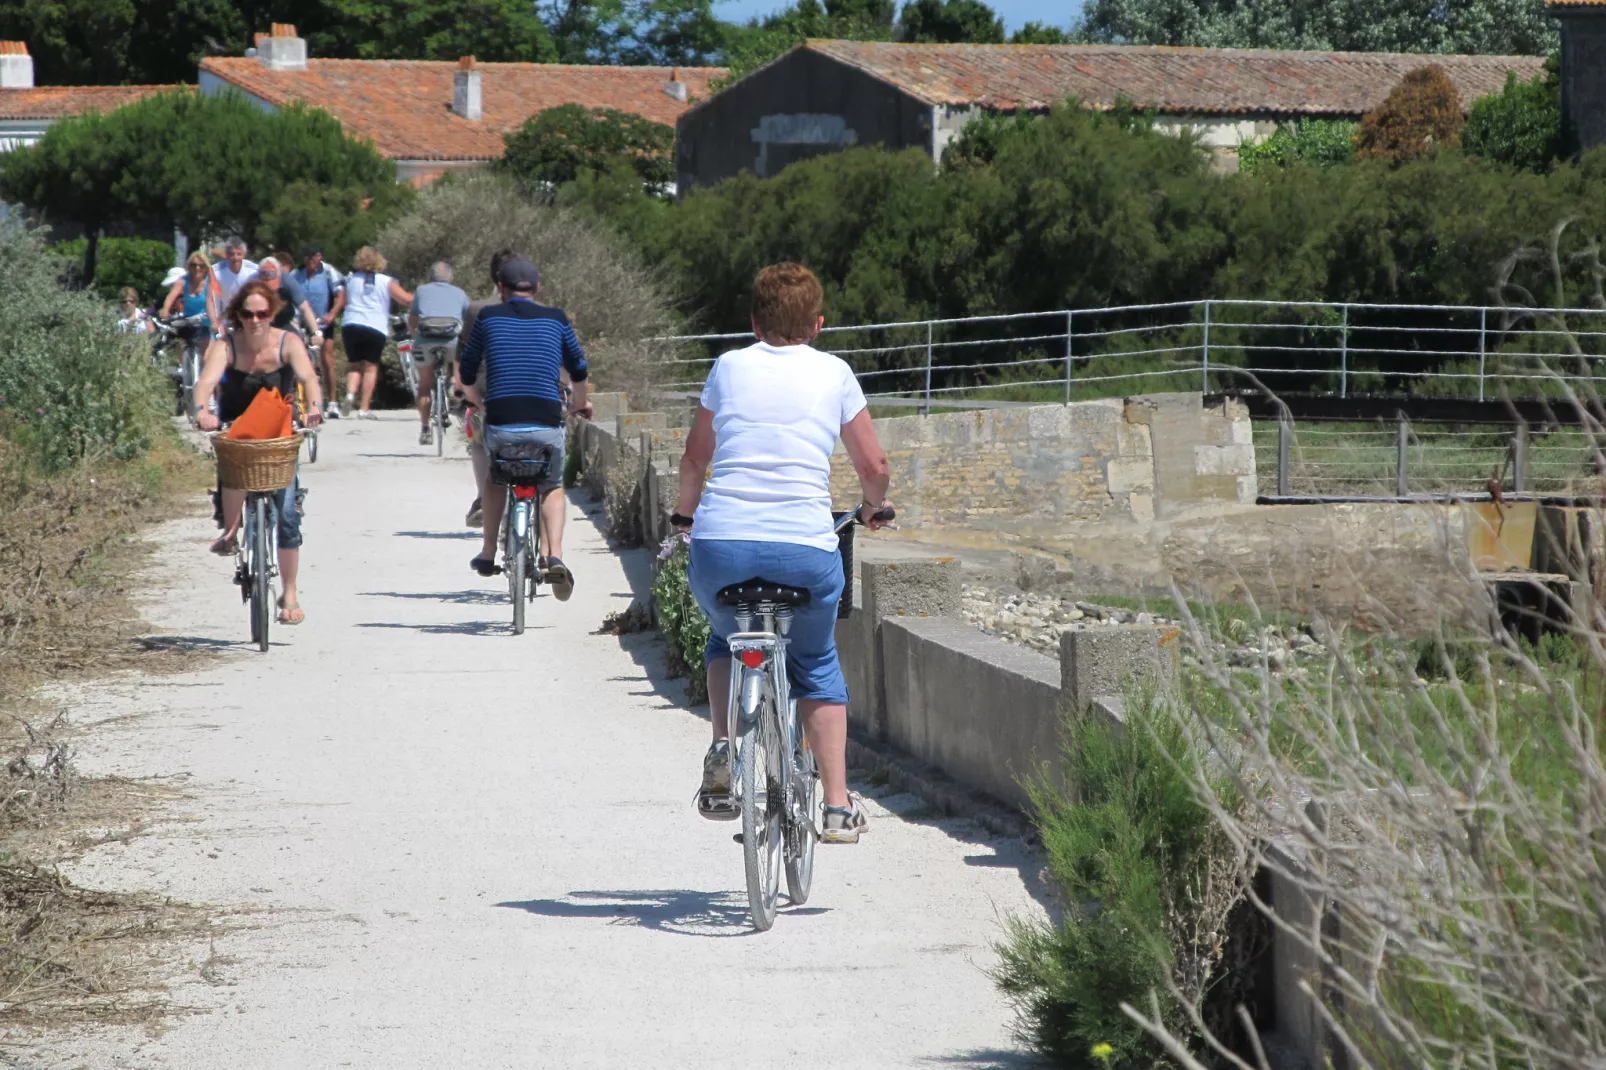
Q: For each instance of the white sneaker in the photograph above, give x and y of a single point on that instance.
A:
(367, 414)
(331, 411)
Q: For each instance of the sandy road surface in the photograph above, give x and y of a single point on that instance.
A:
(474, 850)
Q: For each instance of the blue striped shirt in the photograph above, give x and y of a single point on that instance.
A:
(523, 346)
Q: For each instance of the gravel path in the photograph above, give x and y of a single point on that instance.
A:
(457, 848)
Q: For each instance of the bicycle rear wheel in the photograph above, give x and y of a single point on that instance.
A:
(437, 411)
(761, 818)
(515, 562)
(261, 587)
(409, 370)
(800, 832)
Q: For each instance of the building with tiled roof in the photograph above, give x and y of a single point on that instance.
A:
(1583, 70)
(824, 95)
(27, 110)
(431, 117)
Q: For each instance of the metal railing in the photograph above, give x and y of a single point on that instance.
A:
(1342, 350)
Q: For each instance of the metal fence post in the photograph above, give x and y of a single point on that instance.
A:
(1285, 433)
(1402, 442)
(1343, 357)
(1519, 458)
(1206, 360)
(1483, 346)
(1070, 325)
(925, 409)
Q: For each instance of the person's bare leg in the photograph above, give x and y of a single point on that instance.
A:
(353, 380)
(481, 462)
(491, 505)
(426, 393)
(370, 376)
(289, 569)
(552, 506)
(719, 689)
(233, 506)
(326, 358)
(827, 726)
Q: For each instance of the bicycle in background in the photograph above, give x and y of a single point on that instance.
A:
(775, 778)
(436, 348)
(403, 337)
(181, 344)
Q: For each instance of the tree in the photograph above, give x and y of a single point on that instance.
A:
(1420, 114)
(76, 173)
(496, 31)
(1520, 125)
(634, 32)
(750, 47)
(950, 22)
(1035, 33)
(555, 146)
(1499, 27)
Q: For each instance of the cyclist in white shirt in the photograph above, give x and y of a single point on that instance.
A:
(768, 420)
(365, 326)
(233, 271)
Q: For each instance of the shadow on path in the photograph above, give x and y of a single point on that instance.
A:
(466, 533)
(675, 910)
(992, 1059)
(471, 627)
(186, 644)
(457, 598)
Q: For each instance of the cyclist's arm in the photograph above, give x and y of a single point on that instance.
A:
(309, 318)
(217, 362)
(337, 305)
(214, 308)
(300, 363)
(869, 459)
(694, 462)
(172, 295)
(399, 294)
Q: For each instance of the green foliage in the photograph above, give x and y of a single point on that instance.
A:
(210, 164)
(555, 146)
(1420, 115)
(681, 621)
(1035, 33)
(950, 22)
(136, 262)
(494, 31)
(761, 41)
(71, 388)
(634, 32)
(1125, 852)
(1322, 142)
(335, 218)
(1520, 126)
(1490, 27)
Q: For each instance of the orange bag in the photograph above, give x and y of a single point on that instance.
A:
(268, 416)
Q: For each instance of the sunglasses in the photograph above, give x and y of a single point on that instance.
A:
(255, 314)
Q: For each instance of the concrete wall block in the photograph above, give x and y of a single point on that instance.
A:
(1248, 489)
(1242, 432)
(985, 711)
(1139, 411)
(911, 588)
(629, 425)
(608, 405)
(1134, 440)
(1236, 459)
(1108, 660)
(1141, 507)
(1128, 474)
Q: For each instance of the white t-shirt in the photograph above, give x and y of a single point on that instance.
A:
(367, 301)
(229, 281)
(778, 412)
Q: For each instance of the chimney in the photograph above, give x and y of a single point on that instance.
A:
(466, 90)
(675, 87)
(282, 50)
(16, 66)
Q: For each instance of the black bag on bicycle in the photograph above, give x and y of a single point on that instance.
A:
(521, 464)
(438, 328)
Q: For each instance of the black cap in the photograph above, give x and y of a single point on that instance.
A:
(310, 250)
(517, 273)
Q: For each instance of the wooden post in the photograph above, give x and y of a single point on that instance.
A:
(1402, 441)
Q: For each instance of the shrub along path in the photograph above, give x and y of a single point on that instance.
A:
(475, 850)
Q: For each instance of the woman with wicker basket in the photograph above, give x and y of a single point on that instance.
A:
(252, 356)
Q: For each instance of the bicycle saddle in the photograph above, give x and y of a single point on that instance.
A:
(759, 589)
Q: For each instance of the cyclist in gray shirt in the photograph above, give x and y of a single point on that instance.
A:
(437, 300)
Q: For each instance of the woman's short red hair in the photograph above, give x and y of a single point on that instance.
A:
(786, 302)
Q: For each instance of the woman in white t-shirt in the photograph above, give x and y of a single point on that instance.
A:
(769, 419)
(365, 326)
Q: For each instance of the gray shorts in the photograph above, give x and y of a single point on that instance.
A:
(552, 439)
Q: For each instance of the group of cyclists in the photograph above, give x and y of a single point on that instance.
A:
(754, 480)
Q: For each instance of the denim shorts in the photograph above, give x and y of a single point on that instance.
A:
(495, 438)
(811, 662)
(284, 505)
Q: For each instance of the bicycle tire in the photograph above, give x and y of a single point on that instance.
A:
(261, 587)
(312, 446)
(409, 372)
(515, 559)
(192, 375)
(437, 412)
(761, 822)
(800, 835)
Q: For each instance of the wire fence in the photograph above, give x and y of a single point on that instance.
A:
(1342, 460)
(1342, 350)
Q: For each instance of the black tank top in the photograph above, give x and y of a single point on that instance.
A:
(238, 389)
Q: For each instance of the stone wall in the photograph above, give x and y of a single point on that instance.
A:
(1089, 461)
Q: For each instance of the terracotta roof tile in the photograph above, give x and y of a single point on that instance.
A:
(1192, 81)
(404, 106)
(60, 101)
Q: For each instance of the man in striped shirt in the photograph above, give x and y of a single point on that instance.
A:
(524, 348)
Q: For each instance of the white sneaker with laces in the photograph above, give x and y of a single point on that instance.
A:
(845, 824)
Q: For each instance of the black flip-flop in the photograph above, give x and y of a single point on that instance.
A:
(484, 567)
(559, 578)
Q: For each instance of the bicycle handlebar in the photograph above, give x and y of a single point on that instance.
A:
(885, 515)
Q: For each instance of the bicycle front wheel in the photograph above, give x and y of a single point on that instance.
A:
(261, 587)
(761, 819)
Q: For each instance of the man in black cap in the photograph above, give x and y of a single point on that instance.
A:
(524, 349)
(325, 290)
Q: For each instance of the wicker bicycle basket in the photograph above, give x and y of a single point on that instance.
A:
(268, 464)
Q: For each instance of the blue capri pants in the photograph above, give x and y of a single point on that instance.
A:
(811, 662)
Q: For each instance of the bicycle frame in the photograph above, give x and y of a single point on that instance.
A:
(752, 683)
(251, 567)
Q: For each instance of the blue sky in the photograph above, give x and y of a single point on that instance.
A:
(1016, 12)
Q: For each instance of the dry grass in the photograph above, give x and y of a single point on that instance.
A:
(69, 552)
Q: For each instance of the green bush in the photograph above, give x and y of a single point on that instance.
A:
(1519, 126)
(556, 145)
(681, 621)
(1422, 113)
(1128, 853)
(1315, 141)
(136, 262)
(71, 388)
